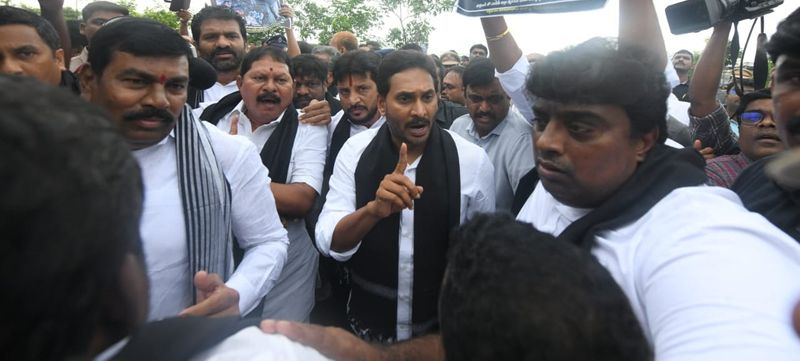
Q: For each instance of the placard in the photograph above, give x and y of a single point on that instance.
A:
(481, 8)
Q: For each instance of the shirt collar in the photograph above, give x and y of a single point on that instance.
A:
(496, 131)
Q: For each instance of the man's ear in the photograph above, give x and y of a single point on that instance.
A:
(59, 55)
(82, 28)
(87, 81)
(644, 143)
(382, 104)
(239, 81)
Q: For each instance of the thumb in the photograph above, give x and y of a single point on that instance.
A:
(234, 123)
(697, 144)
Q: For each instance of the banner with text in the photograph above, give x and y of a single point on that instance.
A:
(483, 8)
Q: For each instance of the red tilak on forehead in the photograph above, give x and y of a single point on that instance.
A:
(351, 80)
(162, 79)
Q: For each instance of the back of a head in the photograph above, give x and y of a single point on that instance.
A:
(10, 15)
(70, 204)
(108, 6)
(344, 39)
(596, 72)
(358, 62)
(786, 39)
(399, 61)
(216, 13)
(478, 72)
(310, 66)
(135, 36)
(513, 293)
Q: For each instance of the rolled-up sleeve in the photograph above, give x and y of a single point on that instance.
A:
(513, 82)
(714, 130)
(340, 202)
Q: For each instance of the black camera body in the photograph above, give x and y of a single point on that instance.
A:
(696, 15)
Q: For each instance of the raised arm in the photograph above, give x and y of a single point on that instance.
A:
(53, 11)
(503, 49)
(708, 72)
(293, 49)
(638, 26)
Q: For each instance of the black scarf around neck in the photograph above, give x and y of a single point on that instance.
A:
(664, 170)
(436, 213)
(762, 195)
(277, 152)
(340, 136)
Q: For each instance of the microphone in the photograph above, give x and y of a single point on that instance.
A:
(201, 74)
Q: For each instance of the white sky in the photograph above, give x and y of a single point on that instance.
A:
(541, 33)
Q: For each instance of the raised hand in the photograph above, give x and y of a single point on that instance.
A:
(214, 298)
(707, 152)
(234, 123)
(396, 191)
(318, 112)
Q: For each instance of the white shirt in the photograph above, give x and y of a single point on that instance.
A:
(707, 279)
(354, 128)
(293, 296)
(477, 196)
(255, 224)
(509, 146)
(217, 92)
(248, 344)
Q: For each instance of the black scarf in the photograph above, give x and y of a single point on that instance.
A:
(762, 195)
(435, 214)
(340, 135)
(277, 152)
(334, 103)
(664, 170)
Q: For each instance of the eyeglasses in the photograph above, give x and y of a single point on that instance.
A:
(492, 99)
(753, 117)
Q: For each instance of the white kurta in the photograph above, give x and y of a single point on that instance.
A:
(255, 223)
(292, 298)
(477, 196)
(707, 279)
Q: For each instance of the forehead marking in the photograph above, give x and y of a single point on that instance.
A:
(162, 79)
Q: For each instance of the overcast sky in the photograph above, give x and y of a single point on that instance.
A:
(539, 33)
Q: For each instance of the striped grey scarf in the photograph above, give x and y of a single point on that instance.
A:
(206, 199)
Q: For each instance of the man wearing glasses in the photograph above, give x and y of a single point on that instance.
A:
(758, 136)
(504, 135)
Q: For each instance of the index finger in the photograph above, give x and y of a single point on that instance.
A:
(234, 122)
(402, 163)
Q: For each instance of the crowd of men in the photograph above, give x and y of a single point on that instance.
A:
(182, 194)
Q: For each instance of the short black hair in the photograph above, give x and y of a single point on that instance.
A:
(305, 47)
(747, 98)
(786, 39)
(10, 15)
(478, 72)
(308, 65)
(399, 61)
(216, 13)
(70, 205)
(411, 46)
(373, 45)
(357, 62)
(479, 46)
(265, 52)
(552, 300)
(96, 6)
(597, 72)
(458, 69)
(135, 36)
(684, 51)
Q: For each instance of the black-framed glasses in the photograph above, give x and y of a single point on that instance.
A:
(753, 117)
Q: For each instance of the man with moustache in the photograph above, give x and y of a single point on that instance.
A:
(682, 61)
(202, 186)
(294, 153)
(93, 16)
(220, 37)
(758, 137)
(779, 203)
(501, 132)
(310, 76)
(395, 194)
(453, 86)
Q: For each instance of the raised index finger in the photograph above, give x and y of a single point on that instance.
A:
(402, 163)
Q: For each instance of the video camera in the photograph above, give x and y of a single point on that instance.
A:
(695, 15)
